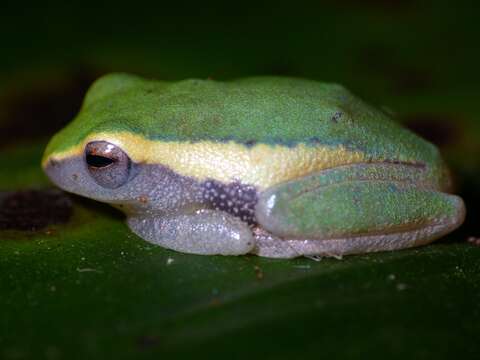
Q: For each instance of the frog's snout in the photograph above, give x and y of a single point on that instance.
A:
(52, 168)
(71, 174)
(64, 173)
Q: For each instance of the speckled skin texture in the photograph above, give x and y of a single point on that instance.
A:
(386, 188)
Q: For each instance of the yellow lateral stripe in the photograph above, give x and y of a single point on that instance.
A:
(260, 165)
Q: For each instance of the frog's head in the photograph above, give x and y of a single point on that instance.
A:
(102, 154)
(113, 168)
(78, 158)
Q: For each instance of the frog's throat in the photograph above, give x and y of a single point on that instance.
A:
(260, 165)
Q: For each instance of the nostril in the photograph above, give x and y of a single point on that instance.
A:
(53, 162)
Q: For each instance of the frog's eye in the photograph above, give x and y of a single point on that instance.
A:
(108, 165)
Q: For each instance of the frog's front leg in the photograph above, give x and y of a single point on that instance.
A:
(207, 232)
(354, 209)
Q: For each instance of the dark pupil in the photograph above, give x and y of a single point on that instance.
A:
(98, 161)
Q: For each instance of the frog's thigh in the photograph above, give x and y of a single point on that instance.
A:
(391, 210)
(206, 232)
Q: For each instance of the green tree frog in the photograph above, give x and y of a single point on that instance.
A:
(272, 166)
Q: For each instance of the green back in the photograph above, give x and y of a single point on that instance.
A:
(270, 110)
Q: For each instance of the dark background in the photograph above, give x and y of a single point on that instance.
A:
(417, 59)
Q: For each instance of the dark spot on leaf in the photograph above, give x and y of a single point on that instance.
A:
(33, 210)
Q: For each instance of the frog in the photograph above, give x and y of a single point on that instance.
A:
(278, 167)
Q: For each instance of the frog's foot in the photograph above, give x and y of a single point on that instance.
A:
(205, 232)
(354, 209)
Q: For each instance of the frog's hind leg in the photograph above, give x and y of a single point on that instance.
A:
(354, 209)
(271, 246)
